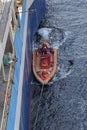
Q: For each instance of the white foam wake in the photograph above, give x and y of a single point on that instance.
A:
(58, 43)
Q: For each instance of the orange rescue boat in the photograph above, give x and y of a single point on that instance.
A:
(44, 62)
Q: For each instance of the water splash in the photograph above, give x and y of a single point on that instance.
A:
(64, 73)
(60, 43)
(44, 32)
(53, 34)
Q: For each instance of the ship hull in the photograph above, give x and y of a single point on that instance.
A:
(19, 110)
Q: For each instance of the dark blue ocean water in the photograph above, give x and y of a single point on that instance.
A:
(64, 101)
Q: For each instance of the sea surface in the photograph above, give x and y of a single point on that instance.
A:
(63, 105)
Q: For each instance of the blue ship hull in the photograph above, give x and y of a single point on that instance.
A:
(36, 12)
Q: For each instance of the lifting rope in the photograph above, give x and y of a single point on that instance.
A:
(36, 119)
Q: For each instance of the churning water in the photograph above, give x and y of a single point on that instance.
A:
(64, 101)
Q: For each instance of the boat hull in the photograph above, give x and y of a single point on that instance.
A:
(42, 70)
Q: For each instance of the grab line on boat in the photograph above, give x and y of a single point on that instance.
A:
(36, 119)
